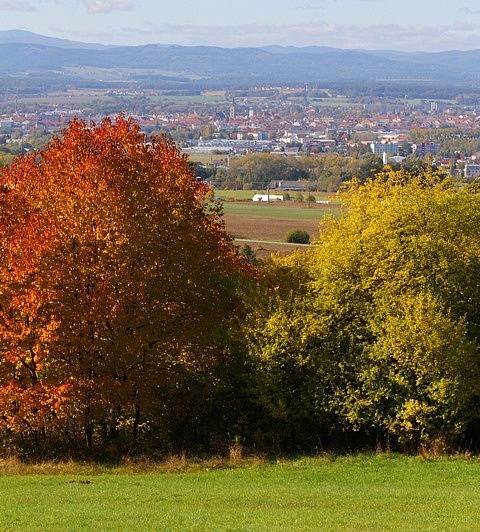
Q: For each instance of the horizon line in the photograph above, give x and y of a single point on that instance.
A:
(253, 46)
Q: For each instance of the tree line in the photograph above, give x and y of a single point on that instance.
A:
(325, 173)
(130, 322)
(452, 142)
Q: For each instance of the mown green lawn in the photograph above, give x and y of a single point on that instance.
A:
(353, 493)
(283, 211)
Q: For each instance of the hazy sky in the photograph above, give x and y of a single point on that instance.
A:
(392, 24)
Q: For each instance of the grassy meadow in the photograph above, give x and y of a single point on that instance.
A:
(366, 492)
(278, 211)
(208, 158)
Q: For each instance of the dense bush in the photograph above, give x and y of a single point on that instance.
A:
(298, 237)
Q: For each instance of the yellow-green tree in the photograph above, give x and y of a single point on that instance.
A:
(381, 320)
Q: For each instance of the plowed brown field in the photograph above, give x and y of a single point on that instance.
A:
(267, 228)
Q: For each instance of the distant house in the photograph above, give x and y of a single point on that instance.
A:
(425, 148)
(390, 148)
(396, 159)
(266, 197)
(289, 186)
(292, 150)
(471, 171)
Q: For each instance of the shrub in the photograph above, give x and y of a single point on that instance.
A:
(299, 197)
(249, 254)
(298, 237)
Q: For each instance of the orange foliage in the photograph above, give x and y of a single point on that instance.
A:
(117, 280)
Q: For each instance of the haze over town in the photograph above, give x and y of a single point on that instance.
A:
(430, 25)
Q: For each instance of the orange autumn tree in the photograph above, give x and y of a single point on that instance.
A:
(117, 289)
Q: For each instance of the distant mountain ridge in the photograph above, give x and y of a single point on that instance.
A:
(27, 37)
(23, 52)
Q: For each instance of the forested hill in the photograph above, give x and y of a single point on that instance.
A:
(22, 52)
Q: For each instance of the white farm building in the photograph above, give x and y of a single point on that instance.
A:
(266, 197)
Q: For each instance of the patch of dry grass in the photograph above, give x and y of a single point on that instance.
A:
(175, 463)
